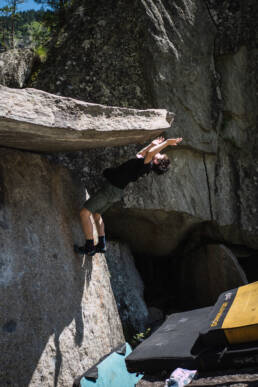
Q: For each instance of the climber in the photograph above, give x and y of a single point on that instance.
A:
(146, 160)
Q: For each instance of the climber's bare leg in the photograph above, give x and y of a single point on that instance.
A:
(86, 223)
(87, 227)
(101, 246)
(99, 224)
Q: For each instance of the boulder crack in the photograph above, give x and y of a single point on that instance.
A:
(208, 186)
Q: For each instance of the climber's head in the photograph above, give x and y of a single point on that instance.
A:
(160, 163)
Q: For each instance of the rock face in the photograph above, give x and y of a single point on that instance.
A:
(34, 120)
(144, 54)
(128, 288)
(206, 273)
(195, 58)
(58, 314)
(236, 198)
(16, 66)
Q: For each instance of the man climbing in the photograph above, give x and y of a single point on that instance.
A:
(146, 160)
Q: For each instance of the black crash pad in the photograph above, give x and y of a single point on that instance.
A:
(177, 344)
(171, 345)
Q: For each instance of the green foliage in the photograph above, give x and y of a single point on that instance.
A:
(42, 53)
(30, 31)
(32, 28)
(55, 5)
(37, 34)
(56, 15)
(12, 6)
(5, 26)
(34, 75)
(140, 337)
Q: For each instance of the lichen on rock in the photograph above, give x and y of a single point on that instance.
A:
(16, 66)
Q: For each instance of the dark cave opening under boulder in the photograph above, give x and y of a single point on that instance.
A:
(160, 281)
(185, 263)
(175, 283)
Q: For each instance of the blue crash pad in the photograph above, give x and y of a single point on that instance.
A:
(112, 372)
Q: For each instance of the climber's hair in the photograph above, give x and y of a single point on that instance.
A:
(162, 166)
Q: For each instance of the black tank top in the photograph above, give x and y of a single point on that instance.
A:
(127, 172)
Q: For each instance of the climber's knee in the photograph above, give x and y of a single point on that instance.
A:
(96, 216)
(85, 213)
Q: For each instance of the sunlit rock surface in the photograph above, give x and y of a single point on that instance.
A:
(58, 314)
(16, 67)
(196, 59)
(35, 120)
(193, 58)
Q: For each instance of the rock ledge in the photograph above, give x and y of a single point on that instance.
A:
(35, 120)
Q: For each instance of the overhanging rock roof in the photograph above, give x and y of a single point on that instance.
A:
(34, 120)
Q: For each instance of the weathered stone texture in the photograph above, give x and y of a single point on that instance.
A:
(213, 97)
(16, 66)
(213, 268)
(236, 23)
(237, 172)
(98, 57)
(58, 314)
(35, 120)
(181, 68)
(128, 288)
(195, 58)
(141, 54)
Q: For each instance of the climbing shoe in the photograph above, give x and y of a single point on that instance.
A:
(100, 248)
(85, 250)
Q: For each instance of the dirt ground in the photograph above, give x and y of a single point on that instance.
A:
(231, 378)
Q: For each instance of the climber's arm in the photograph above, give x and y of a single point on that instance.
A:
(159, 147)
(144, 151)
